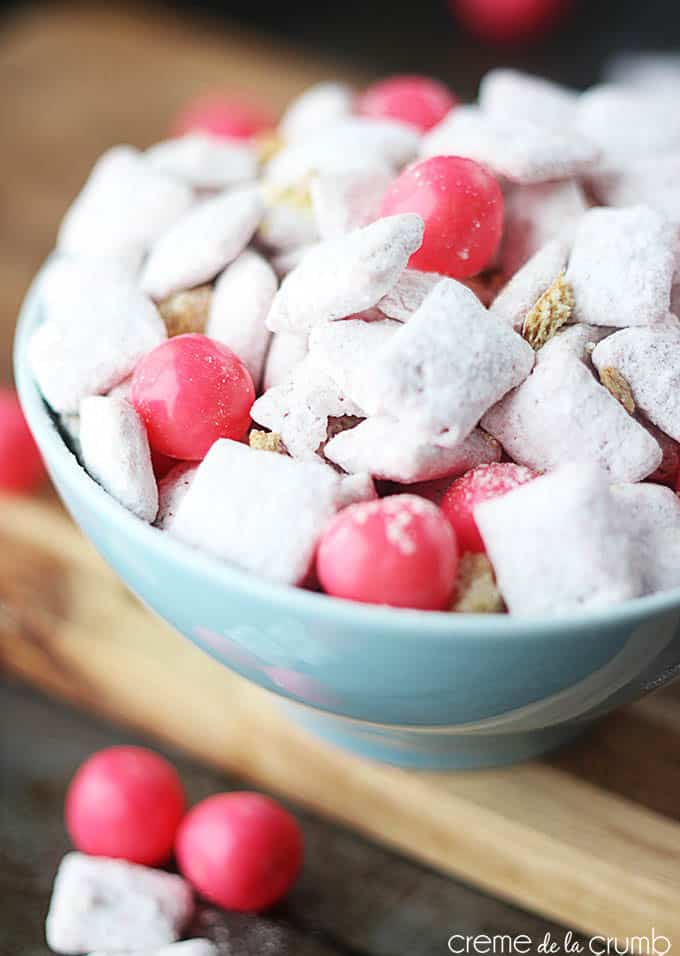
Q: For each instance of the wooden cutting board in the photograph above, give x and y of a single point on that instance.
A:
(590, 838)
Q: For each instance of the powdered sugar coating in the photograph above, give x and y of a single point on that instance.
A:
(340, 277)
(97, 327)
(190, 947)
(343, 201)
(317, 107)
(648, 359)
(512, 95)
(288, 223)
(203, 161)
(558, 545)
(115, 451)
(561, 414)
(202, 242)
(239, 306)
(626, 122)
(520, 150)
(286, 351)
(450, 363)
(578, 340)
(260, 511)
(299, 409)
(171, 490)
(408, 294)
(535, 215)
(651, 180)
(389, 450)
(98, 902)
(123, 208)
(621, 267)
(521, 293)
(651, 514)
(356, 488)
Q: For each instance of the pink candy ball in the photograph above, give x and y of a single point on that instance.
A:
(461, 204)
(240, 850)
(21, 466)
(509, 21)
(225, 116)
(417, 100)
(480, 484)
(125, 802)
(398, 551)
(189, 391)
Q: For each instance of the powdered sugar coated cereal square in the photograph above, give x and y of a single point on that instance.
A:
(521, 293)
(205, 162)
(626, 122)
(509, 95)
(652, 515)
(171, 489)
(535, 215)
(408, 294)
(286, 351)
(346, 201)
(318, 106)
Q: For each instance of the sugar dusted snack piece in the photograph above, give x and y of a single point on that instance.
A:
(578, 340)
(259, 511)
(647, 358)
(317, 107)
(240, 303)
(626, 122)
(621, 267)
(205, 162)
(476, 590)
(388, 450)
(522, 292)
(299, 409)
(561, 414)
(202, 242)
(511, 95)
(557, 544)
(341, 277)
(408, 294)
(123, 207)
(98, 902)
(190, 947)
(520, 150)
(171, 489)
(284, 262)
(346, 201)
(115, 451)
(288, 222)
(350, 144)
(286, 350)
(651, 514)
(265, 441)
(535, 215)
(97, 327)
(186, 311)
(447, 366)
(549, 314)
(645, 71)
(354, 488)
(651, 180)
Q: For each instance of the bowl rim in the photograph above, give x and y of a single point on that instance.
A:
(435, 624)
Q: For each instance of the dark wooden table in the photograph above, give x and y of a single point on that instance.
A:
(353, 899)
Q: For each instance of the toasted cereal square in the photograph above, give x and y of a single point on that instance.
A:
(561, 414)
(258, 511)
(518, 297)
(621, 267)
(558, 544)
(98, 903)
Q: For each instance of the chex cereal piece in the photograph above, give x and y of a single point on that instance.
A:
(561, 414)
(98, 903)
(626, 122)
(341, 277)
(621, 267)
(240, 303)
(617, 386)
(171, 489)
(408, 294)
(550, 313)
(520, 150)
(651, 180)
(476, 588)
(115, 452)
(350, 144)
(388, 450)
(288, 222)
(205, 162)
(652, 515)
(202, 242)
(647, 358)
(447, 366)
(259, 511)
(346, 201)
(346, 352)
(319, 106)
(123, 207)
(522, 292)
(353, 488)
(299, 409)
(186, 311)
(534, 215)
(98, 325)
(557, 544)
(190, 947)
(511, 95)
(286, 351)
(578, 340)
(265, 441)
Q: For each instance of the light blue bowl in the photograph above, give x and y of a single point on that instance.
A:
(412, 688)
